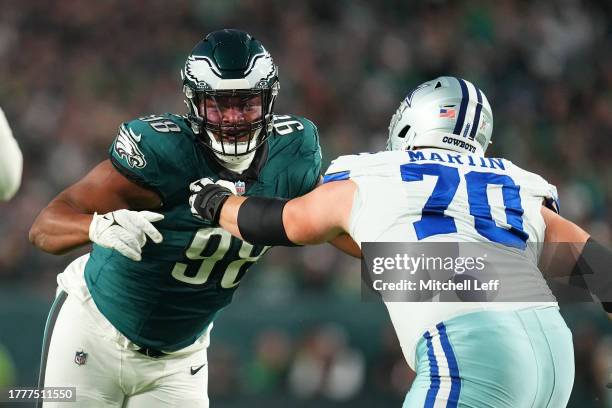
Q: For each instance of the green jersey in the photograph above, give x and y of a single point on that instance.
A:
(168, 299)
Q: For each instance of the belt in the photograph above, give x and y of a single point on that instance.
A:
(149, 352)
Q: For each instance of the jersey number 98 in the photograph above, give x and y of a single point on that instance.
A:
(203, 243)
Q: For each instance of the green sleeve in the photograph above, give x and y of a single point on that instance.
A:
(144, 156)
(306, 170)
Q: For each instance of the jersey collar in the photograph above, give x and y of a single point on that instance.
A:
(250, 176)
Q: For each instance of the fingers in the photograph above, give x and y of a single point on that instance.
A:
(196, 189)
(227, 184)
(139, 222)
(151, 216)
(127, 251)
(125, 231)
(193, 210)
(125, 243)
(196, 186)
(145, 225)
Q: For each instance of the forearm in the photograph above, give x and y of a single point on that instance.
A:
(60, 228)
(229, 215)
(317, 217)
(345, 243)
(256, 220)
(273, 222)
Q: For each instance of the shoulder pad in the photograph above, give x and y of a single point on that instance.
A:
(342, 167)
(536, 185)
(296, 131)
(153, 134)
(294, 150)
(342, 163)
(127, 146)
(154, 151)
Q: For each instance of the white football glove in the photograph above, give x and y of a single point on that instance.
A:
(197, 186)
(125, 231)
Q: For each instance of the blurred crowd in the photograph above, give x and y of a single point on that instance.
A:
(71, 71)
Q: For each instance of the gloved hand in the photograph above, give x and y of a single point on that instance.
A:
(207, 198)
(125, 231)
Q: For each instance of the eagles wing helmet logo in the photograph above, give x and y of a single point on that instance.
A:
(127, 148)
(200, 70)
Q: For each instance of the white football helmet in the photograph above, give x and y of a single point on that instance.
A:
(448, 113)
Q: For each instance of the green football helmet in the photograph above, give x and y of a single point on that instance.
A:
(230, 84)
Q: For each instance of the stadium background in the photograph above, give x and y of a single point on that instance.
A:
(297, 333)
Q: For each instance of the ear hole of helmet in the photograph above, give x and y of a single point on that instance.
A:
(403, 132)
(438, 85)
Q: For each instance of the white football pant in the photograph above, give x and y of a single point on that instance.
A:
(82, 349)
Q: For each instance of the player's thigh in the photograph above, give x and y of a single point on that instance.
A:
(160, 398)
(75, 355)
(473, 361)
(184, 382)
(558, 370)
(417, 396)
(487, 380)
(563, 355)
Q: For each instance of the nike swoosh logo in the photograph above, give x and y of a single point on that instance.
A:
(195, 371)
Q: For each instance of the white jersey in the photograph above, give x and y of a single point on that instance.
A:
(396, 187)
(11, 161)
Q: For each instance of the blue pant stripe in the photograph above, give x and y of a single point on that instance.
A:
(476, 115)
(453, 368)
(465, 98)
(434, 374)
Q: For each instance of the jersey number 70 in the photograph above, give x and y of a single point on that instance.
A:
(434, 221)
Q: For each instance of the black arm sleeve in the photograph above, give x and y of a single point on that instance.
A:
(593, 266)
(260, 221)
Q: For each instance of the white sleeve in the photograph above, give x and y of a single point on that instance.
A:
(339, 169)
(535, 185)
(11, 161)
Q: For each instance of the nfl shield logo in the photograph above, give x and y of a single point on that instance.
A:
(80, 357)
(240, 187)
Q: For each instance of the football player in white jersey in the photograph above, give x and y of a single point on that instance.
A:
(11, 161)
(436, 185)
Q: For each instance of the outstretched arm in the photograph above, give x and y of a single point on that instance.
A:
(316, 217)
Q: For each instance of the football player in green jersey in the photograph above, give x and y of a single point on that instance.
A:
(130, 324)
